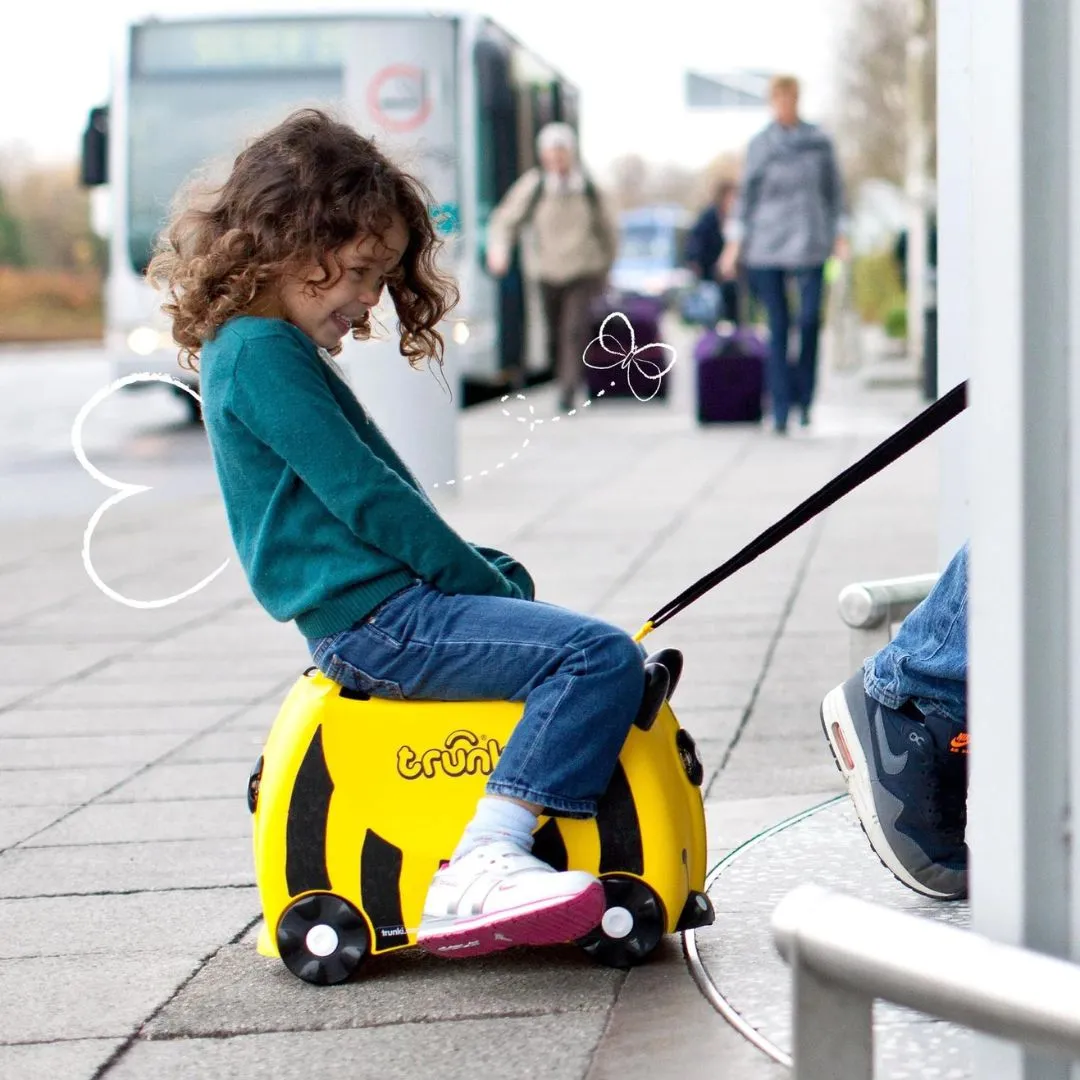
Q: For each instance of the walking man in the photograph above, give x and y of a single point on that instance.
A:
(576, 239)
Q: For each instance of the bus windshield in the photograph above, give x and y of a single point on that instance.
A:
(180, 123)
(647, 243)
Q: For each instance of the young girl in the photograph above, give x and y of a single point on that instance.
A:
(335, 534)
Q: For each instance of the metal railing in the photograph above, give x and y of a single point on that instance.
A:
(873, 608)
(844, 953)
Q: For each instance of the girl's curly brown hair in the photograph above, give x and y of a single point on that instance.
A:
(294, 196)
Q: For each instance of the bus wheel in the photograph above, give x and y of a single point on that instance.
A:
(194, 408)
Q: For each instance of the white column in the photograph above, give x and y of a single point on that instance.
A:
(1024, 609)
(955, 263)
(413, 407)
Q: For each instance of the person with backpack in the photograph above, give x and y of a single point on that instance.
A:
(576, 239)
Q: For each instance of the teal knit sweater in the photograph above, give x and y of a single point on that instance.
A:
(326, 519)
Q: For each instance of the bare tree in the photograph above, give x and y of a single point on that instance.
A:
(871, 124)
(629, 181)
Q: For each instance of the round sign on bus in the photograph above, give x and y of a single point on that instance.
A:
(398, 97)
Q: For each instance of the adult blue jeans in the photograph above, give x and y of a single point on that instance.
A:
(790, 385)
(926, 663)
(581, 679)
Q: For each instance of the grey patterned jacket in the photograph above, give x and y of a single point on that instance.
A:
(790, 205)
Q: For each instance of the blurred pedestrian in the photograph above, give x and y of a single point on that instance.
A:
(705, 244)
(786, 224)
(576, 241)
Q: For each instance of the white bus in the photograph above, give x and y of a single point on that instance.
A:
(453, 97)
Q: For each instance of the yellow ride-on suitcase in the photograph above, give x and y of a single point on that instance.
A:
(357, 801)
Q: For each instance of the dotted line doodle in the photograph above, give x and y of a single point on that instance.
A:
(123, 491)
(625, 359)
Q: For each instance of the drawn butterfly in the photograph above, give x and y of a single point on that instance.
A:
(627, 358)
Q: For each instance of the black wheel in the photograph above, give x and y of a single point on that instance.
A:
(253, 784)
(687, 748)
(322, 939)
(633, 924)
(194, 407)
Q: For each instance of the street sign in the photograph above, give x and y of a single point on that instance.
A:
(738, 90)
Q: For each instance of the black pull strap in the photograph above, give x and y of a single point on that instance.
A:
(931, 419)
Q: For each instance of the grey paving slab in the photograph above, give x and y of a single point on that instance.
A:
(751, 776)
(76, 1059)
(731, 822)
(17, 752)
(526, 1047)
(212, 668)
(40, 663)
(178, 864)
(243, 745)
(87, 694)
(123, 925)
(662, 1026)
(86, 997)
(14, 694)
(19, 822)
(112, 823)
(51, 787)
(39, 722)
(196, 780)
(239, 991)
(258, 718)
(707, 724)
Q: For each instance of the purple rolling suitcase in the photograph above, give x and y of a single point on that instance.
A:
(632, 379)
(730, 377)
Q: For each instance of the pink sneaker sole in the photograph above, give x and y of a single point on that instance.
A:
(552, 923)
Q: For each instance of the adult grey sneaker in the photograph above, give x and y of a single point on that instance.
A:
(907, 776)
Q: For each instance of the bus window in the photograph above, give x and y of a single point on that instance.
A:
(218, 108)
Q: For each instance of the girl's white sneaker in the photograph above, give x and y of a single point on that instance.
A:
(498, 896)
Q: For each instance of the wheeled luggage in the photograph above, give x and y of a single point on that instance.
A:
(357, 801)
(730, 377)
(618, 365)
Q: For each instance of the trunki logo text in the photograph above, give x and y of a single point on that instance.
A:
(461, 754)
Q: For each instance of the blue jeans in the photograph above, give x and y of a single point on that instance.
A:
(582, 681)
(789, 385)
(926, 663)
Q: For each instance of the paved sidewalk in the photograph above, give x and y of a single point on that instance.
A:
(127, 906)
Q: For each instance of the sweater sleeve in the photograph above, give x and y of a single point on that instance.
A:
(511, 568)
(506, 218)
(282, 397)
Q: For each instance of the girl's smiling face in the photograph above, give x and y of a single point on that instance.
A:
(326, 315)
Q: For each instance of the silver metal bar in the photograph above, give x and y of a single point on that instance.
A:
(833, 1029)
(873, 608)
(956, 975)
(868, 604)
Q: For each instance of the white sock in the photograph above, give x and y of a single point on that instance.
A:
(498, 819)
